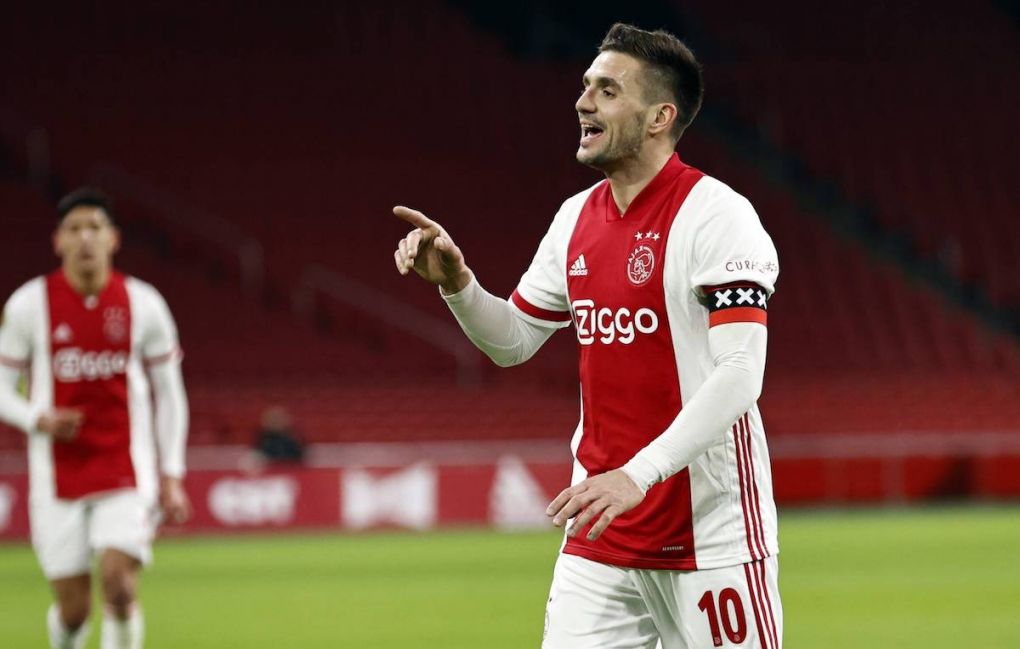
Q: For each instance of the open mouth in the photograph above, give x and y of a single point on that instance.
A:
(590, 133)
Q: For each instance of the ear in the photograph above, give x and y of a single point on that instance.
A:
(116, 240)
(55, 239)
(662, 118)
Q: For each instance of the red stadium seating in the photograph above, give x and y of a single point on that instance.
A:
(905, 104)
(305, 136)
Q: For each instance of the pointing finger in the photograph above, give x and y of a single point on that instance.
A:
(415, 218)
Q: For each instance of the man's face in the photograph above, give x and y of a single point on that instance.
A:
(612, 111)
(86, 240)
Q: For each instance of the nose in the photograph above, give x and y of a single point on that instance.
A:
(584, 103)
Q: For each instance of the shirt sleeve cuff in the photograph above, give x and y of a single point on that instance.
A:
(642, 472)
(25, 418)
(463, 295)
(172, 469)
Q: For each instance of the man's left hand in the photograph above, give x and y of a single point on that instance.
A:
(173, 500)
(609, 494)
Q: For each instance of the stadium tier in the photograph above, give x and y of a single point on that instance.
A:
(275, 132)
(906, 105)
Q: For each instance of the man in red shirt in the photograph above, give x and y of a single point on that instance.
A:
(100, 348)
(665, 273)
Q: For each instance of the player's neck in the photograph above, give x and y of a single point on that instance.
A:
(630, 178)
(90, 283)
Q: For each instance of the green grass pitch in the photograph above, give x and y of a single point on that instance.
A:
(931, 578)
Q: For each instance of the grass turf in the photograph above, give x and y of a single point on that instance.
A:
(927, 578)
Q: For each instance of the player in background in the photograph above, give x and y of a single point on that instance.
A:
(92, 343)
(665, 274)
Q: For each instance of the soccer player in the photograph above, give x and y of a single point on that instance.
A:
(91, 342)
(665, 274)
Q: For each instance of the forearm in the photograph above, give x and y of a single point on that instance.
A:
(493, 326)
(729, 391)
(171, 418)
(15, 409)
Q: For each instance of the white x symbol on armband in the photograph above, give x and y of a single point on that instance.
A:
(761, 299)
(722, 298)
(746, 295)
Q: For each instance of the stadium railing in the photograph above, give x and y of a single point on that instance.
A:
(319, 280)
(164, 205)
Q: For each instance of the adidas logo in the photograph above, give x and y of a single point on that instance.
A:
(578, 268)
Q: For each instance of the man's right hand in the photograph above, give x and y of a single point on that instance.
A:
(61, 423)
(430, 251)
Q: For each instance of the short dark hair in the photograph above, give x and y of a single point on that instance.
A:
(87, 197)
(671, 64)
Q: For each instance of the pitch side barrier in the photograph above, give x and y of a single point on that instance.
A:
(507, 485)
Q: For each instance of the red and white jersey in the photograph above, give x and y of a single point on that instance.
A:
(90, 353)
(642, 291)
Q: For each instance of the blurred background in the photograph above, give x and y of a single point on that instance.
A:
(254, 151)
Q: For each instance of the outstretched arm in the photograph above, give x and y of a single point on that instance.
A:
(495, 327)
(489, 322)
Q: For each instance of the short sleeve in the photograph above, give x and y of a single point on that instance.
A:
(541, 295)
(735, 265)
(15, 333)
(159, 342)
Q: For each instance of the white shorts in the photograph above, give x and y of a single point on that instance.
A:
(67, 533)
(598, 606)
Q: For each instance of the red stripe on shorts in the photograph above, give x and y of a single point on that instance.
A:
(768, 607)
(754, 605)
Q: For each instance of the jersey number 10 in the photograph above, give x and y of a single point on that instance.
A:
(728, 598)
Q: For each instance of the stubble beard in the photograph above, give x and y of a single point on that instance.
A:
(626, 147)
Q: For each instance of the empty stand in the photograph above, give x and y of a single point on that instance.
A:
(306, 134)
(906, 104)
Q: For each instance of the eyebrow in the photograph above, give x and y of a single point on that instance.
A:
(600, 82)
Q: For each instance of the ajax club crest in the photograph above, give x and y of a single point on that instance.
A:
(641, 261)
(115, 323)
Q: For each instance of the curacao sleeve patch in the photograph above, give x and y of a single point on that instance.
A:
(737, 302)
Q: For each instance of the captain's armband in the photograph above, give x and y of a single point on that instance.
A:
(735, 302)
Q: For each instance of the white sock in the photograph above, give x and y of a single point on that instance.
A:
(123, 634)
(60, 636)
